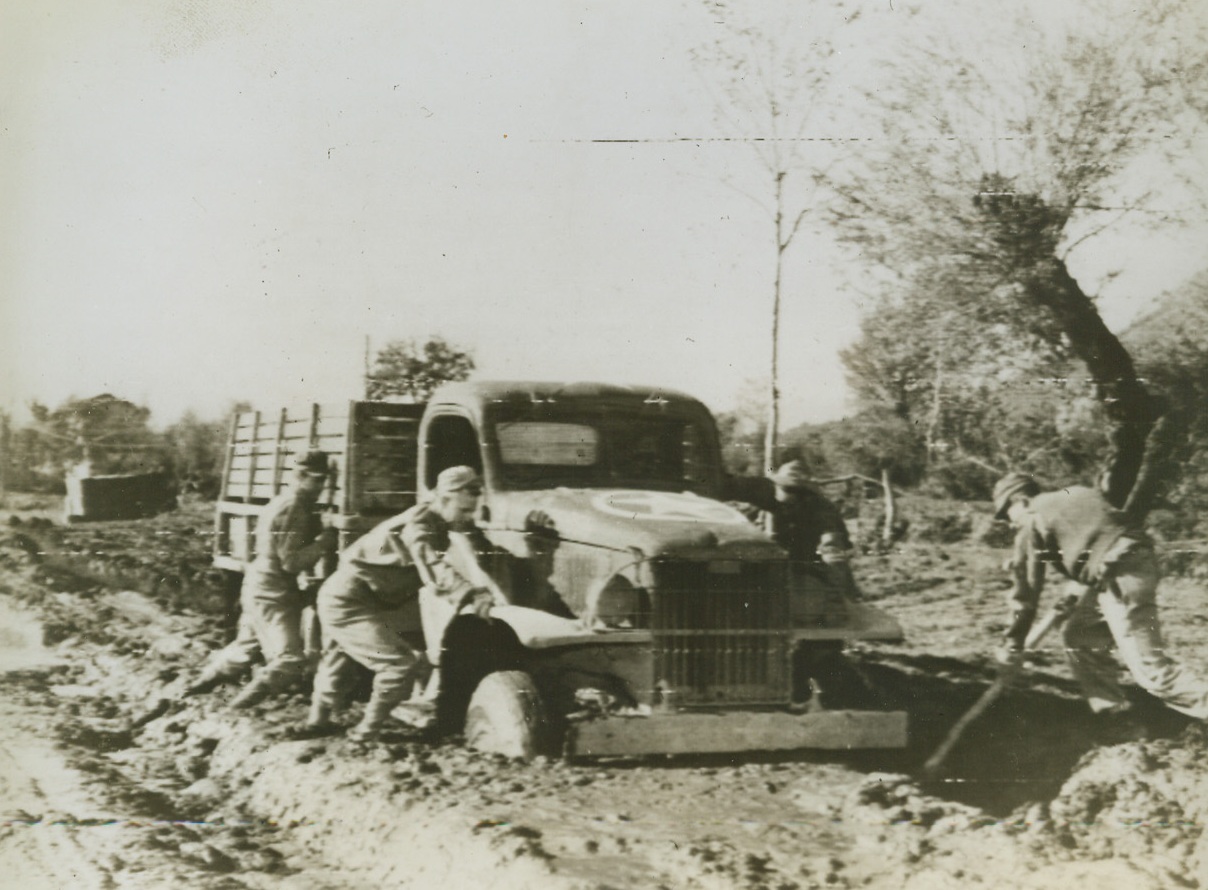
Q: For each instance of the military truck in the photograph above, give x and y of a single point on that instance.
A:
(644, 614)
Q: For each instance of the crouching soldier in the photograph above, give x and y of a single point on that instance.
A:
(1086, 539)
(378, 575)
(290, 539)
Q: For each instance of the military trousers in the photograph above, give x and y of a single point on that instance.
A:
(1121, 612)
(358, 628)
(270, 623)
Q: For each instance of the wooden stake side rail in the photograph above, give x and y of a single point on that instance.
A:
(373, 451)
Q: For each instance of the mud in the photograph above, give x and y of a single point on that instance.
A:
(116, 781)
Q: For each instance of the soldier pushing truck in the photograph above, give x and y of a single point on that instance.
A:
(403, 559)
(290, 539)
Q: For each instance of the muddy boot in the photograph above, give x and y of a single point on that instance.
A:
(253, 693)
(319, 714)
(370, 727)
(307, 733)
(318, 724)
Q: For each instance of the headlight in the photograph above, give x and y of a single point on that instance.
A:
(621, 605)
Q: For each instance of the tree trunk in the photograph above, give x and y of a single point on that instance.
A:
(1131, 411)
(367, 375)
(1052, 286)
(772, 437)
(935, 422)
(5, 440)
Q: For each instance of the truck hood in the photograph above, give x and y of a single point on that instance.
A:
(655, 522)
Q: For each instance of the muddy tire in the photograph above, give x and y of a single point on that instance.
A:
(506, 716)
(473, 649)
(841, 683)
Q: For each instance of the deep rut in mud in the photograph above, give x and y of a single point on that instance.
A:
(1020, 751)
(74, 816)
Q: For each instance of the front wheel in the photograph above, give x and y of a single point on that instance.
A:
(823, 670)
(506, 716)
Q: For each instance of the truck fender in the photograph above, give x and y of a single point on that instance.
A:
(541, 630)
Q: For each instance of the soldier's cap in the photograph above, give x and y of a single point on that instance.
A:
(458, 479)
(791, 475)
(1009, 486)
(312, 463)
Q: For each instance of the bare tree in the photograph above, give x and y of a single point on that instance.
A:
(771, 78)
(5, 439)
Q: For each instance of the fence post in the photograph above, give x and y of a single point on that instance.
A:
(890, 508)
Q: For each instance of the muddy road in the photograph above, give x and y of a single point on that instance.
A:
(110, 780)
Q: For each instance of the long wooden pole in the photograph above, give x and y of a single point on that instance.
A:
(1055, 617)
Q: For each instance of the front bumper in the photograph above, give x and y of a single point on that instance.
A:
(712, 733)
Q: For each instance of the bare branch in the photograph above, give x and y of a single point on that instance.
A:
(769, 88)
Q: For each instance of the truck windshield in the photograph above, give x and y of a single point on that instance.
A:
(603, 450)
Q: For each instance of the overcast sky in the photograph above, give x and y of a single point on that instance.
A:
(210, 200)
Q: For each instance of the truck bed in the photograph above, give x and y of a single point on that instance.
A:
(372, 446)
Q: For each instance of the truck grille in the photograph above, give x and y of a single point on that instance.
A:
(721, 632)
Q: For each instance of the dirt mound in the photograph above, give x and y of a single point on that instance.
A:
(1141, 801)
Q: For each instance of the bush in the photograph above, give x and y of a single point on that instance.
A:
(866, 444)
(960, 480)
(942, 529)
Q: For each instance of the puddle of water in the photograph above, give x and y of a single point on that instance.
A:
(21, 645)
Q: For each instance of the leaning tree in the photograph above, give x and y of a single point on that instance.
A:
(999, 154)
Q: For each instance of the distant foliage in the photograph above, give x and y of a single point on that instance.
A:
(743, 431)
(983, 170)
(103, 435)
(411, 370)
(27, 462)
(984, 182)
(866, 444)
(197, 451)
(107, 435)
(1171, 346)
